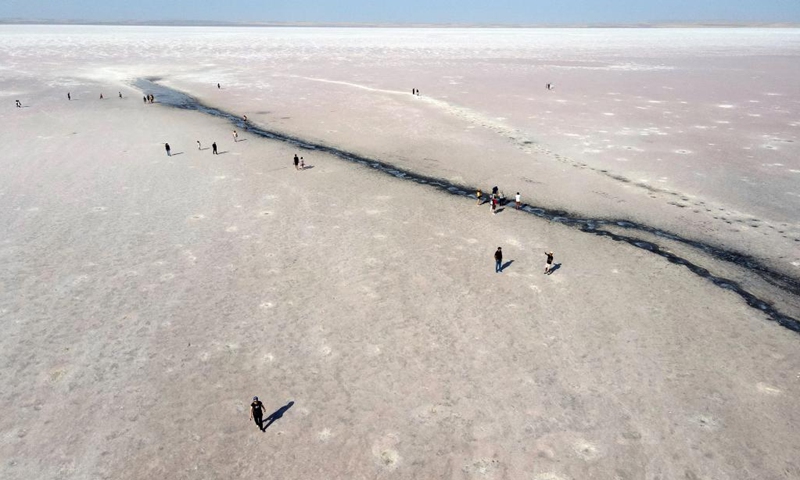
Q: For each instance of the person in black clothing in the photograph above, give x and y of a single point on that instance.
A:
(144, 99)
(120, 94)
(257, 413)
(214, 148)
(549, 265)
(69, 97)
(296, 162)
(218, 87)
(166, 146)
(498, 260)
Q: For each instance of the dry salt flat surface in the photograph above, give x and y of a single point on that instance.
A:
(692, 130)
(146, 298)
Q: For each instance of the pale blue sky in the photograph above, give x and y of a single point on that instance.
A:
(410, 11)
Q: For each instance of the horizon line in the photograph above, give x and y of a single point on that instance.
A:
(217, 23)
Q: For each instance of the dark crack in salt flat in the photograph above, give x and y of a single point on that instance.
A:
(174, 98)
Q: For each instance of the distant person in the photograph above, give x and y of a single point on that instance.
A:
(495, 190)
(218, 87)
(214, 148)
(296, 161)
(498, 260)
(244, 118)
(69, 97)
(235, 136)
(413, 91)
(548, 267)
(302, 164)
(144, 98)
(494, 205)
(199, 147)
(518, 201)
(101, 96)
(120, 94)
(257, 413)
(19, 105)
(166, 146)
(479, 195)
(418, 92)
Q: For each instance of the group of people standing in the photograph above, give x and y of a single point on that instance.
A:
(149, 98)
(299, 163)
(213, 147)
(498, 261)
(199, 147)
(495, 198)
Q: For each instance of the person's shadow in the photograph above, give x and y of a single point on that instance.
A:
(277, 414)
(505, 265)
(555, 267)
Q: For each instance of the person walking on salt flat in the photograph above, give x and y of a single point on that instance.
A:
(257, 413)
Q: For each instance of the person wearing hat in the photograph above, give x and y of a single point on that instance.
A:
(257, 413)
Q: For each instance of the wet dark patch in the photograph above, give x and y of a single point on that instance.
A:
(786, 283)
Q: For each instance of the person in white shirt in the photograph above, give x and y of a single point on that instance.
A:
(518, 200)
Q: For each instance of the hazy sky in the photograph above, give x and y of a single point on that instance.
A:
(423, 11)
